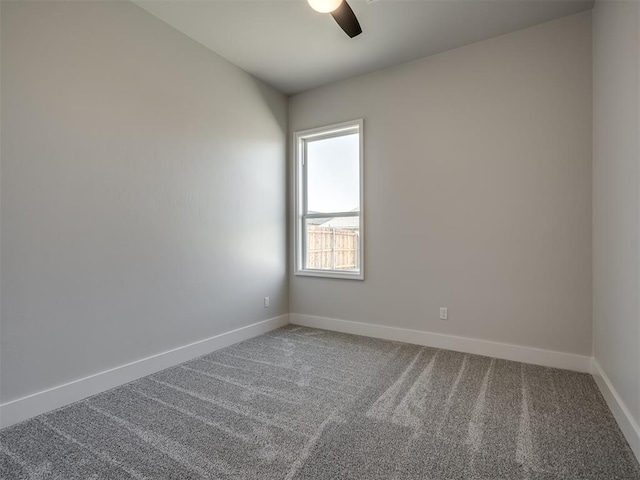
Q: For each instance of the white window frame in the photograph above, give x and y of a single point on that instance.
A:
(299, 149)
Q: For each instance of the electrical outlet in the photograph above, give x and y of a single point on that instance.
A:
(444, 313)
(266, 302)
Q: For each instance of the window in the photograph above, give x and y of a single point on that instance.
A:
(329, 227)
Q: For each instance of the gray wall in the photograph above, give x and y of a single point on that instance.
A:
(143, 195)
(616, 196)
(478, 190)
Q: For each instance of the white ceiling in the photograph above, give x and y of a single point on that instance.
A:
(293, 48)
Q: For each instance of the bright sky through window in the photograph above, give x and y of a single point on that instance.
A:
(334, 174)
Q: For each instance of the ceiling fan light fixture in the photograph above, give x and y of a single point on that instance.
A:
(324, 6)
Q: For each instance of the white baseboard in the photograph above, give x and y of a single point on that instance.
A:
(41, 402)
(536, 356)
(623, 416)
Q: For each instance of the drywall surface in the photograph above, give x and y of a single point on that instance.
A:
(477, 191)
(616, 196)
(143, 195)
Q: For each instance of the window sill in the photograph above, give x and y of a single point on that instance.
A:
(330, 274)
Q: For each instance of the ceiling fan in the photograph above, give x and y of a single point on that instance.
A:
(341, 13)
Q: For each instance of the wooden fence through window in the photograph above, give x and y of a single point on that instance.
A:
(330, 248)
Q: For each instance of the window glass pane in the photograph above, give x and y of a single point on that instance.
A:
(332, 243)
(333, 174)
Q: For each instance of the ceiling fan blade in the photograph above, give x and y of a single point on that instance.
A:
(347, 20)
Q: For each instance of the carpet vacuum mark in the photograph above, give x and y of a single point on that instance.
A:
(299, 403)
